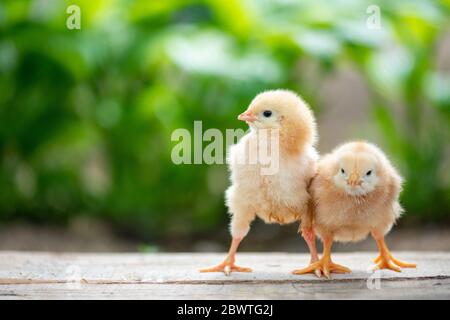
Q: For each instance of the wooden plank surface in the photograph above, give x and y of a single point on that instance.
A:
(31, 275)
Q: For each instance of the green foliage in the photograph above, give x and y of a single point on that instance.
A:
(86, 115)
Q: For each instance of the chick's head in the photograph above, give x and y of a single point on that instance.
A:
(358, 169)
(280, 109)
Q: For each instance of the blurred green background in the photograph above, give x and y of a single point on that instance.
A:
(86, 115)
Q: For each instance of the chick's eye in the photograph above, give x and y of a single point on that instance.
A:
(342, 171)
(267, 113)
(368, 173)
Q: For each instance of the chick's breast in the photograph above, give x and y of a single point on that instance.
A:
(280, 197)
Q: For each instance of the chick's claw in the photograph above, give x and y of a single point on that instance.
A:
(317, 271)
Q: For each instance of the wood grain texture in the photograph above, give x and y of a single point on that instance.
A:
(31, 275)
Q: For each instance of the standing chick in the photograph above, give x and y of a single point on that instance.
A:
(283, 128)
(355, 192)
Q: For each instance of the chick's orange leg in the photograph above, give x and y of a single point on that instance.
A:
(385, 260)
(310, 239)
(325, 265)
(228, 265)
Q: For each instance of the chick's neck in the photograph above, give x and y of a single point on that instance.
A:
(293, 138)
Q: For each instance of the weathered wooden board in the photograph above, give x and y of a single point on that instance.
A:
(31, 275)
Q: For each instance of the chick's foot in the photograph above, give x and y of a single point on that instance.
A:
(387, 261)
(227, 268)
(326, 267)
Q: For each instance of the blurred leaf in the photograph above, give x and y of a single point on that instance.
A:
(214, 53)
(322, 44)
(388, 70)
(437, 88)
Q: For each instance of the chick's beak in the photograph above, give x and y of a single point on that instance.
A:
(247, 116)
(354, 180)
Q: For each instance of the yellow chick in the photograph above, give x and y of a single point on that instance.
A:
(283, 128)
(355, 192)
